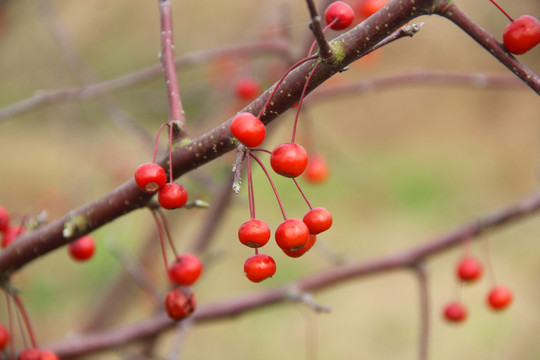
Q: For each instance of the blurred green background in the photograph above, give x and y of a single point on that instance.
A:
(407, 163)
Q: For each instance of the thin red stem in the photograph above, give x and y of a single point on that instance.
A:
(300, 102)
(251, 193)
(324, 30)
(170, 152)
(303, 194)
(502, 10)
(169, 237)
(157, 141)
(162, 242)
(489, 265)
(11, 326)
(26, 319)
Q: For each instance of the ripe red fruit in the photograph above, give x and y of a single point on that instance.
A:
(469, 269)
(4, 219)
(180, 303)
(499, 297)
(297, 253)
(172, 196)
(317, 169)
(318, 220)
(11, 234)
(366, 8)
(30, 354)
(186, 269)
(4, 337)
(292, 234)
(259, 267)
(247, 88)
(48, 355)
(82, 249)
(340, 11)
(254, 233)
(522, 34)
(289, 160)
(150, 177)
(455, 312)
(249, 130)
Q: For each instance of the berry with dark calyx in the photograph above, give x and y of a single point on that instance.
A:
(249, 130)
(259, 267)
(4, 219)
(254, 233)
(366, 8)
(292, 234)
(289, 160)
(522, 34)
(186, 269)
(455, 312)
(317, 169)
(318, 220)
(4, 337)
(29, 354)
(297, 253)
(180, 303)
(48, 355)
(150, 177)
(469, 269)
(499, 297)
(82, 249)
(247, 88)
(172, 196)
(341, 13)
(11, 234)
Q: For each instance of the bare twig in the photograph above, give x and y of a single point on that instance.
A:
(324, 49)
(423, 341)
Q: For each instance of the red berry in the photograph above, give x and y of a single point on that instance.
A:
(48, 355)
(340, 11)
(317, 169)
(180, 303)
(292, 234)
(82, 249)
(247, 88)
(254, 233)
(455, 312)
(172, 196)
(499, 297)
(469, 269)
(318, 220)
(30, 354)
(259, 267)
(249, 130)
(186, 269)
(150, 177)
(11, 234)
(522, 34)
(366, 8)
(4, 219)
(289, 160)
(297, 253)
(4, 337)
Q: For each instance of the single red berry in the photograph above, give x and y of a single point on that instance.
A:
(259, 267)
(82, 249)
(522, 34)
(180, 303)
(4, 337)
(150, 177)
(30, 354)
(340, 11)
(318, 220)
(186, 269)
(366, 8)
(249, 130)
(289, 160)
(469, 269)
(11, 234)
(172, 196)
(297, 253)
(48, 355)
(500, 297)
(4, 219)
(292, 234)
(317, 169)
(254, 233)
(455, 312)
(247, 88)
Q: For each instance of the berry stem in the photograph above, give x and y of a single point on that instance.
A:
(318, 32)
(25, 318)
(170, 152)
(303, 194)
(167, 232)
(11, 327)
(157, 141)
(162, 242)
(300, 102)
(502, 10)
(251, 194)
(489, 265)
(271, 183)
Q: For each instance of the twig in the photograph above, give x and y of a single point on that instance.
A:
(423, 341)
(324, 48)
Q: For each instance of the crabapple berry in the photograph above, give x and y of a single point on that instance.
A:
(247, 88)
(289, 160)
(366, 8)
(48, 355)
(292, 234)
(30, 354)
(341, 13)
(249, 130)
(469, 269)
(455, 312)
(82, 249)
(522, 34)
(259, 267)
(254, 233)
(4, 219)
(186, 269)
(297, 253)
(11, 234)
(4, 337)
(317, 170)
(318, 220)
(150, 177)
(180, 303)
(499, 297)
(172, 196)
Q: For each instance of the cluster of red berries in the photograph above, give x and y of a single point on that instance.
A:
(27, 354)
(469, 270)
(151, 178)
(185, 271)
